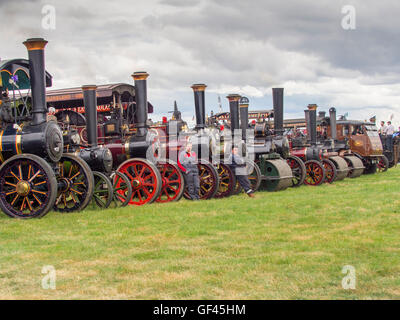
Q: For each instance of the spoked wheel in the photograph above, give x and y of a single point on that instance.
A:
(383, 164)
(330, 170)
(254, 175)
(315, 173)
(227, 181)
(209, 181)
(28, 187)
(173, 184)
(145, 180)
(75, 184)
(298, 170)
(103, 190)
(122, 190)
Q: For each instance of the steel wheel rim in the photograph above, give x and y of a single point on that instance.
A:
(101, 191)
(143, 181)
(314, 174)
(296, 171)
(329, 172)
(171, 183)
(75, 186)
(121, 194)
(25, 191)
(226, 180)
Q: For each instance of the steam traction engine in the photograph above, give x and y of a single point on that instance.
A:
(35, 175)
(357, 141)
(271, 149)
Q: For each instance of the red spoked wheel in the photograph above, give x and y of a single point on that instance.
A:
(383, 164)
(227, 181)
(173, 184)
(298, 170)
(145, 180)
(330, 170)
(315, 173)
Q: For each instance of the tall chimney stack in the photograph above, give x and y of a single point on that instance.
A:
(140, 79)
(37, 75)
(332, 120)
(199, 105)
(312, 109)
(307, 118)
(277, 96)
(234, 111)
(244, 115)
(90, 102)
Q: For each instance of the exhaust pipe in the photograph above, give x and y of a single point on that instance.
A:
(277, 97)
(140, 79)
(234, 111)
(199, 105)
(312, 109)
(244, 115)
(37, 75)
(90, 103)
(332, 120)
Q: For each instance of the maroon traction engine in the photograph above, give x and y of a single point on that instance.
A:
(123, 129)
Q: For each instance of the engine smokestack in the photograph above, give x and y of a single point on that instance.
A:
(307, 118)
(234, 111)
(140, 79)
(312, 108)
(199, 105)
(277, 97)
(332, 120)
(37, 75)
(90, 102)
(244, 115)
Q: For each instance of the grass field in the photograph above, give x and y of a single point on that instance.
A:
(285, 245)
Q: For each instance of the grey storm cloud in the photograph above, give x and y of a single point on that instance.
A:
(232, 45)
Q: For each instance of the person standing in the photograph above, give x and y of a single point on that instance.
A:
(187, 162)
(389, 135)
(382, 134)
(238, 166)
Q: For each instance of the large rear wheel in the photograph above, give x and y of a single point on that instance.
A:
(330, 171)
(315, 173)
(75, 184)
(227, 181)
(28, 187)
(173, 184)
(145, 180)
(103, 190)
(122, 190)
(298, 170)
(383, 164)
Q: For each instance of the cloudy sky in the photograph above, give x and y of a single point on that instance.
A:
(233, 46)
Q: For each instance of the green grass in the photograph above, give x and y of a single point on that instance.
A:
(285, 245)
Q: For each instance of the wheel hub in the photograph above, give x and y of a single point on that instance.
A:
(66, 184)
(23, 188)
(136, 183)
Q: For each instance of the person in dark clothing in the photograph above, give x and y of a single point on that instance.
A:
(187, 162)
(238, 166)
